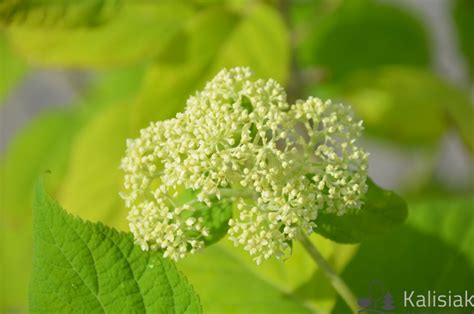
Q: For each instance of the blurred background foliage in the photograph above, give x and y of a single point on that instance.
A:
(138, 61)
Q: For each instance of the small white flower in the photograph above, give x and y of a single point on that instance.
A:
(190, 221)
(281, 164)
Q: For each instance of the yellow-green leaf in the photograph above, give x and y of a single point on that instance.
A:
(294, 285)
(11, 67)
(135, 34)
(62, 13)
(94, 176)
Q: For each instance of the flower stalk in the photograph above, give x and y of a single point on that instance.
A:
(336, 281)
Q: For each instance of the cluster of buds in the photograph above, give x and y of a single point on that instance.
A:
(239, 138)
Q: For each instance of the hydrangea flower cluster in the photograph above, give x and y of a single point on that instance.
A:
(240, 139)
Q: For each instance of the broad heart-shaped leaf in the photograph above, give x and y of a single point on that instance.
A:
(136, 33)
(433, 251)
(391, 101)
(382, 210)
(463, 13)
(364, 34)
(81, 267)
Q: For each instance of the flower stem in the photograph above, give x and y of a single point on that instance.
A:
(339, 285)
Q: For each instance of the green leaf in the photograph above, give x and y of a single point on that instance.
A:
(15, 265)
(94, 176)
(297, 276)
(381, 212)
(229, 287)
(449, 219)
(213, 39)
(11, 67)
(80, 267)
(363, 35)
(293, 285)
(391, 101)
(216, 219)
(432, 251)
(136, 33)
(63, 13)
(260, 41)
(115, 85)
(463, 13)
(45, 142)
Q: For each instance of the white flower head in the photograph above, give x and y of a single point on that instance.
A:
(240, 138)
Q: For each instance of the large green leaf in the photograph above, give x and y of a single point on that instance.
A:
(463, 11)
(228, 287)
(272, 287)
(136, 33)
(80, 267)
(407, 105)
(362, 35)
(433, 251)
(381, 212)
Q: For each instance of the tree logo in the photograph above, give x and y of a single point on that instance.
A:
(379, 300)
